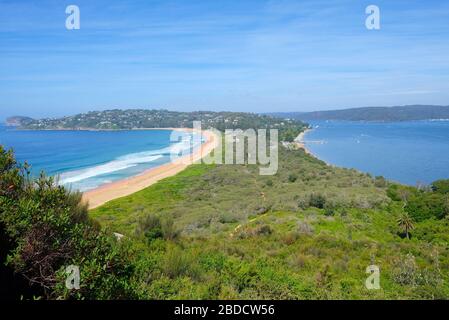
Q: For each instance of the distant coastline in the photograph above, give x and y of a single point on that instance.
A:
(382, 114)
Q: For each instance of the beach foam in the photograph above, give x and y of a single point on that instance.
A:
(110, 167)
(125, 162)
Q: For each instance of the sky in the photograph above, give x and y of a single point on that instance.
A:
(234, 55)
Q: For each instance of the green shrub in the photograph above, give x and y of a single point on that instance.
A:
(290, 238)
(169, 231)
(305, 228)
(302, 203)
(380, 182)
(263, 229)
(254, 231)
(441, 186)
(401, 193)
(298, 261)
(153, 227)
(317, 200)
(424, 203)
(176, 263)
(330, 209)
(406, 271)
(150, 226)
(48, 229)
(427, 205)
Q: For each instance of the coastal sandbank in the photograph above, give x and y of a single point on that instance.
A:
(125, 187)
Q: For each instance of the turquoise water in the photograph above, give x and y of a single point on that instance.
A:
(407, 152)
(85, 160)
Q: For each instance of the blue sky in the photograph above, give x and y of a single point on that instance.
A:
(246, 55)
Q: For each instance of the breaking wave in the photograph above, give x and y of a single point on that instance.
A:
(126, 162)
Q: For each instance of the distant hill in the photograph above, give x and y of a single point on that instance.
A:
(402, 113)
(143, 118)
(18, 121)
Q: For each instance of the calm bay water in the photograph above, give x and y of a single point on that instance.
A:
(408, 152)
(87, 159)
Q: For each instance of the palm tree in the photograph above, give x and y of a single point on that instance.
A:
(405, 222)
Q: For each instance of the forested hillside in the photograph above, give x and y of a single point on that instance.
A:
(403, 113)
(142, 118)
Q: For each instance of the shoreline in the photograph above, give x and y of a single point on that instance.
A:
(130, 185)
(300, 143)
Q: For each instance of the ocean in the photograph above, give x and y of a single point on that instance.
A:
(84, 160)
(412, 153)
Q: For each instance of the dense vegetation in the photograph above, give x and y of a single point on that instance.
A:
(403, 113)
(424, 203)
(224, 231)
(308, 232)
(135, 119)
(44, 228)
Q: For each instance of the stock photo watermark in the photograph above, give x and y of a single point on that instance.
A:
(73, 21)
(372, 22)
(373, 280)
(72, 281)
(240, 147)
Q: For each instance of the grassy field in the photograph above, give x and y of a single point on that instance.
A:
(309, 232)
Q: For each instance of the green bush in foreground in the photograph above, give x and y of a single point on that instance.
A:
(423, 204)
(441, 186)
(47, 229)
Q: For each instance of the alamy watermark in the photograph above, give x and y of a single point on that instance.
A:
(372, 22)
(73, 21)
(72, 281)
(250, 146)
(373, 280)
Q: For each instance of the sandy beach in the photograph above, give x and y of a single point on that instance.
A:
(122, 188)
(301, 144)
(300, 141)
